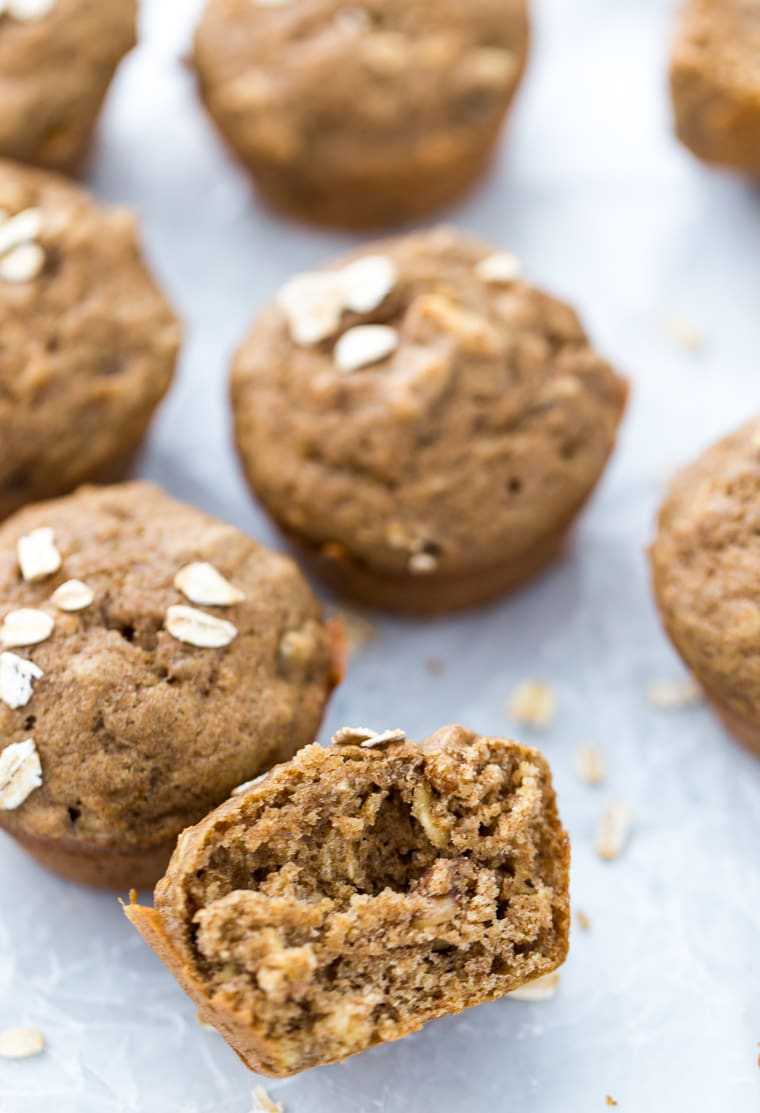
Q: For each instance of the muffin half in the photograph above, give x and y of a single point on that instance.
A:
(424, 425)
(360, 891)
(152, 659)
(361, 114)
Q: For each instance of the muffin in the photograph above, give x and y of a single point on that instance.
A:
(362, 890)
(57, 58)
(361, 114)
(87, 342)
(706, 571)
(422, 424)
(153, 658)
(715, 82)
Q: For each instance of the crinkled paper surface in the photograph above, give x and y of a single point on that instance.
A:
(659, 1004)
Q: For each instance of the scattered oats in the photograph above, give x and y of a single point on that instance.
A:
(672, 695)
(364, 345)
(541, 989)
(352, 736)
(385, 739)
(584, 923)
(20, 773)
(202, 583)
(24, 227)
(72, 596)
(21, 1043)
(368, 281)
(197, 628)
(249, 784)
(422, 564)
(16, 676)
(38, 556)
(262, 1103)
(614, 830)
(25, 627)
(313, 303)
(499, 268)
(203, 1024)
(23, 263)
(684, 332)
(533, 703)
(590, 763)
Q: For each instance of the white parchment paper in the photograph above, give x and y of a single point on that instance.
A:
(659, 1004)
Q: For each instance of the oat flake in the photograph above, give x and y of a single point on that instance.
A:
(364, 345)
(23, 263)
(38, 556)
(16, 676)
(21, 1043)
(533, 703)
(367, 282)
(614, 830)
(24, 227)
(20, 773)
(197, 628)
(25, 626)
(590, 763)
(72, 596)
(500, 268)
(249, 784)
(262, 1103)
(201, 583)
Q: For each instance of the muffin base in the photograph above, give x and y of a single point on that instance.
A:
(101, 866)
(427, 595)
(373, 200)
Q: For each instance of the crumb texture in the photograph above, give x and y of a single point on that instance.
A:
(139, 733)
(706, 562)
(356, 894)
(88, 342)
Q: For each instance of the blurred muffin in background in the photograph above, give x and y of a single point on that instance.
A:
(362, 113)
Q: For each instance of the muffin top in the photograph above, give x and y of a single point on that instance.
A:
(422, 408)
(357, 80)
(57, 58)
(156, 658)
(706, 564)
(88, 343)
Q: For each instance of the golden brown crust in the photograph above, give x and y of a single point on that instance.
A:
(715, 82)
(198, 927)
(101, 866)
(55, 73)
(452, 468)
(361, 115)
(705, 567)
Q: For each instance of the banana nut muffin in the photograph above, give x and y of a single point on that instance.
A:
(715, 82)
(706, 570)
(87, 342)
(361, 112)
(362, 890)
(423, 424)
(152, 659)
(57, 58)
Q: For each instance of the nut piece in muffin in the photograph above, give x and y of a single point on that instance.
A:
(362, 890)
(715, 82)
(706, 573)
(361, 114)
(152, 658)
(57, 58)
(88, 341)
(423, 425)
